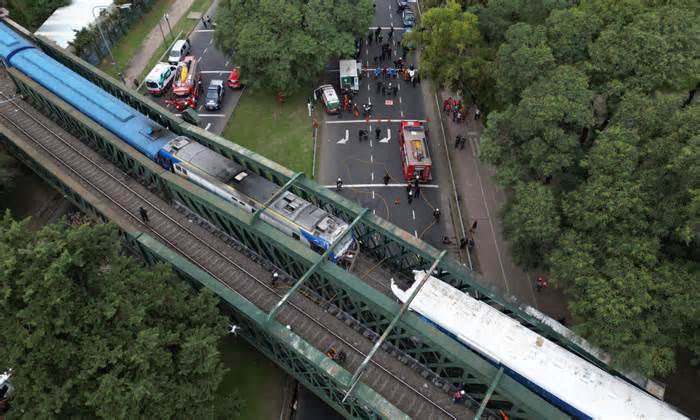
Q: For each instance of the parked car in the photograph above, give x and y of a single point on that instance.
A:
(409, 19)
(159, 78)
(181, 48)
(215, 93)
(401, 5)
(234, 78)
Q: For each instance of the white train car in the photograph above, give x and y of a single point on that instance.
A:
(571, 383)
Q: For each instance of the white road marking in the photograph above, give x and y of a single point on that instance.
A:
(205, 51)
(413, 212)
(200, 107)
(370, 128)
(373, 120)
(367, 86)
(214, 71)
(372, 176)
(204, 30)
(227, 62)
(374, 211)
(382, 185)
(385, 27)
(388, 136)
(211, 40)
(371, 158)
(344, 140)
(475, 146)
(372, 194)
(207, 127)
(400, 100)
(370, 143)
(199, 59)
(402, 113)
(415, 233)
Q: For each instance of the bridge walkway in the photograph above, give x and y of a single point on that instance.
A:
(395, 380)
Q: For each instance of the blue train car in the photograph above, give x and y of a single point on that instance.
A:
(143, 134)
(290, 214)
(10, 43)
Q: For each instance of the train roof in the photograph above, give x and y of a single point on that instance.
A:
(227, 171)
(11, 42)
(506, 342)
(258, 188)
(415, 143)
(145, 135)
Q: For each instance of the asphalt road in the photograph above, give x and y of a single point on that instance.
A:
(362, 165)
(213, 64)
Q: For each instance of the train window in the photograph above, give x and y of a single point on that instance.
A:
(295, 236)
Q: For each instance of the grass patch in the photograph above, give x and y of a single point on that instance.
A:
(259, 381)
(132, 40)
(184, 26)
(279, 132)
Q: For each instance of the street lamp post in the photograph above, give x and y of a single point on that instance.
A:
(168, 22)
(104, 39)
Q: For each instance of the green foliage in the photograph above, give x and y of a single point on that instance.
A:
(91, 333)
(284, 45)
(524, 57)
(32, 13)
(598, 146)
(499, 15)
(531, 220)
(453, 54)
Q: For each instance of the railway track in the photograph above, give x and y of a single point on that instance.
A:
(396, 381)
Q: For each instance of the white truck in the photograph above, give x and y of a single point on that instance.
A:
(350, 76)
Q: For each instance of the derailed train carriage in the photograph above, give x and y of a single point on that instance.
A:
(567, 381)
(204, 167)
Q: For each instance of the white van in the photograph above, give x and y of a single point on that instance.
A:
(159, 78)
(181, 48)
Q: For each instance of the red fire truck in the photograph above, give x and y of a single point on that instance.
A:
(415, 158)
(187, 84)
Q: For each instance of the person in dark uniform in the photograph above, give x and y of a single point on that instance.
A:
(339, 184)
(144, 214)
(386, 178)
(436, 214)
(377, 132)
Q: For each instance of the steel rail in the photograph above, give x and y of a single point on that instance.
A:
(192, 234)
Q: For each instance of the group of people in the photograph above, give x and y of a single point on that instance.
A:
(457, 110)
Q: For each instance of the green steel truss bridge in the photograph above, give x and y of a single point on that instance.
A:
(397, 365)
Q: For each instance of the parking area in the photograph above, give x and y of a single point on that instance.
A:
(212, 65)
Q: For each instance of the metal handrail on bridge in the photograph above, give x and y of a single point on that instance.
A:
(361, 369)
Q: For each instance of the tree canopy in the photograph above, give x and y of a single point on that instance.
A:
(32, 13)
(91, 333)
(284, 45)
(596, 136)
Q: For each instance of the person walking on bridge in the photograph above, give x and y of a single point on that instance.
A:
(144, 214)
